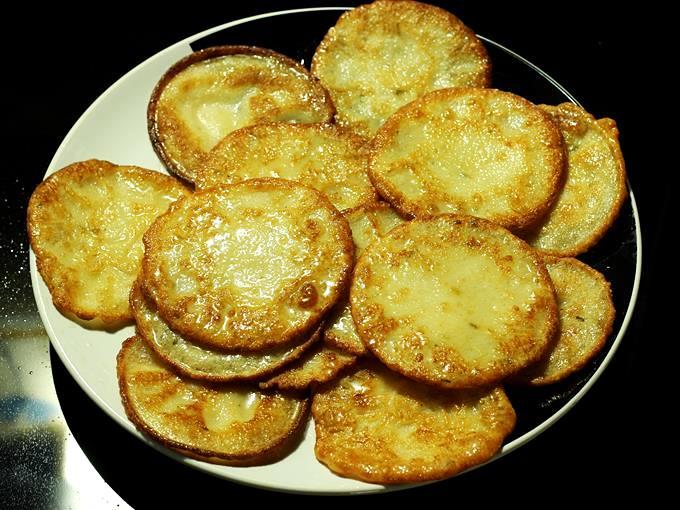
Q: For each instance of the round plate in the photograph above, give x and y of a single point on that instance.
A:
(114, 128)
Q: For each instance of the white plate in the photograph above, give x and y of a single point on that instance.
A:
(114, 128)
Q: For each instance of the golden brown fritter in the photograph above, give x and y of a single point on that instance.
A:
(85, 224)
(379, 427)
(594, 188)
(453, 301)
(383, 55)
(323, 156)
(482, 152)
(226, 424)
(586, 317)
(215, 91)
(248, 266)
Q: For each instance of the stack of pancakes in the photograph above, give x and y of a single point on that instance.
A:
(384, 240)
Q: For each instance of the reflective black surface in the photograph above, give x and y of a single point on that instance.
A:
(610, 435)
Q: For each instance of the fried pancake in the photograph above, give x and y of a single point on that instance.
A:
(215, 91)
(383, 55)
(586, 319)
(322, 364)
(323, 156)
(247, 266)
(376, 426)
(481, 152)
(594, 188)
(198, 362)
(228, 424)
(368, 223)
(85, 224)
(454, 301)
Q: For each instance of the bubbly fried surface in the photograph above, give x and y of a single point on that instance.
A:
(383, 55)
(323, 156)
(482, 152)
(595, 185)
(322, 364)
(230, 424)
(368, 223)
(454, 301)
(85, 224)
(198, 362)
(586, 319)
(215, 91)
(377, 426)
(247, 266)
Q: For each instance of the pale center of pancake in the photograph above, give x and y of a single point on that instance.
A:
(214, 118)
(465, 301)
(474, 164)
(181, 397)
(224, 409)
(256, 257)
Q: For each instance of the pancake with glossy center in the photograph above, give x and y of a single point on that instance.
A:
(323, 156)
(594, 188)
(215, 91)
(482, 152)
(85, 224)
(376, 426)
(226, 424)
(320, 365)
(454, 301)
(368, 223)
(247, 266)
(198, 362)
(381, 56)
(586, 319)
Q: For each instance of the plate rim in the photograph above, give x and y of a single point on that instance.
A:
(525, 438)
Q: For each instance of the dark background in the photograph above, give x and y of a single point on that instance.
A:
(610, 58)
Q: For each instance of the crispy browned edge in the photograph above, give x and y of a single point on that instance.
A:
(276, 451)
(469, 462)
(44, 194)
(357, 141)
(199, 56)
(611, 131)
(328, 335)
(346, 246)
(411, 110)
(332, 339)
(275, 383)
(472, 381)
(609, 325)
(295, 353)
(431, 10)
